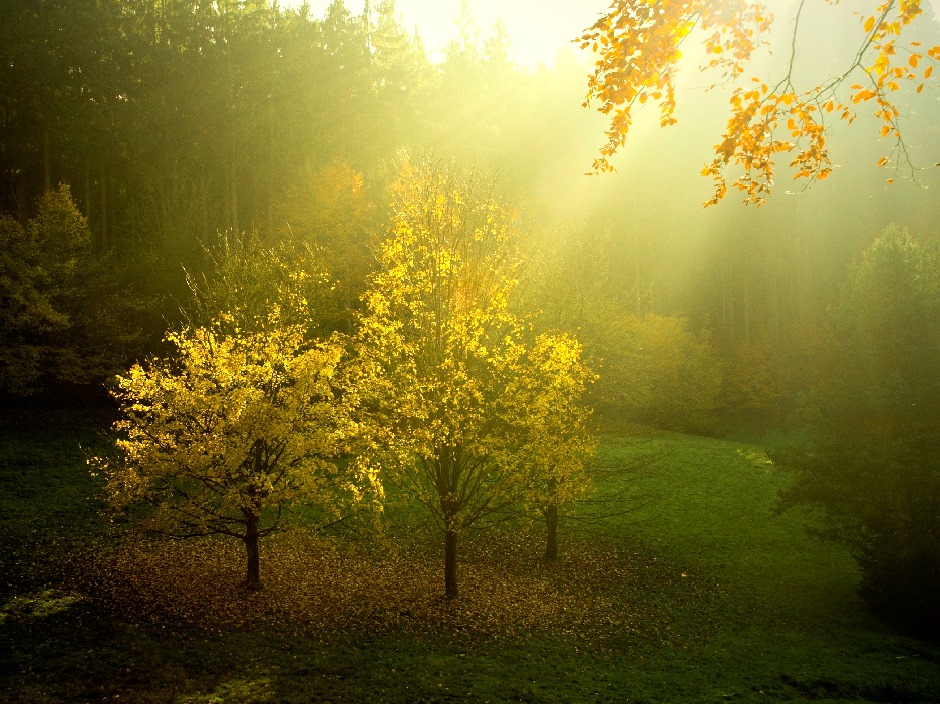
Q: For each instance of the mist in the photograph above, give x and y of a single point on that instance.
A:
(331, 296)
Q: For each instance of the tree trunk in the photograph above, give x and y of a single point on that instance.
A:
(551, 542)
(46, 162)
(87, 203)
(899, 532)
(104, 209)
(253, 576)
(233, 193)
(450, 564)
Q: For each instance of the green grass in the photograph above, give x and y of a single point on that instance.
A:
(699, 593)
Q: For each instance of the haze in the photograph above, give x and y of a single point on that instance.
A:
(327, 374)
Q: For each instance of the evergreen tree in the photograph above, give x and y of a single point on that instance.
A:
(874, 467)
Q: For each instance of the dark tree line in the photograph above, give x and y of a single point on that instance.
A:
(176, 121)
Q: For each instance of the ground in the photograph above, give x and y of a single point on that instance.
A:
(680, 585)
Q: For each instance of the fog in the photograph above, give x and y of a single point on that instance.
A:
(172, 125)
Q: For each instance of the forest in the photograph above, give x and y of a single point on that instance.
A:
(342, 363)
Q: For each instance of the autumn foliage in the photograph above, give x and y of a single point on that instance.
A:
(461, 403)
(443, 393)
(638, 46)
(553, 427)
(228, 431)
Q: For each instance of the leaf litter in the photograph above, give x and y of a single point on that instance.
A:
(330, 588)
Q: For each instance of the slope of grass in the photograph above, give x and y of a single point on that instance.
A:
(697, 593)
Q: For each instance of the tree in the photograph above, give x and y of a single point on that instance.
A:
(662, 373)
(651, 368)
(329, 209)
(638, 43)
(402, 76)
(874, 465)
(554, 426)
(248, 276)
(66, 317)
(445, 367)
(29, 308)
(231, 430)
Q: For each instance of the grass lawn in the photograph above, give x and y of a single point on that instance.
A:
(680, 585)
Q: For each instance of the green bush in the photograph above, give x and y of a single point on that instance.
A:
(874, 467)
(655, 370)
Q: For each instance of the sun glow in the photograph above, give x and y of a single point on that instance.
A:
(538, 29)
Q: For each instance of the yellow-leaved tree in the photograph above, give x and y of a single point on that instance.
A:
(328, 208)
(229, 430)
(446, 369)
(553, 426)
(638, 46)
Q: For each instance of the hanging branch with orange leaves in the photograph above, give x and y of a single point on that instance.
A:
(638, 45)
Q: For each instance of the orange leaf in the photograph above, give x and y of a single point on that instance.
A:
(885, 130)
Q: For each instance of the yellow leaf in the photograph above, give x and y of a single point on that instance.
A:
(869, 24)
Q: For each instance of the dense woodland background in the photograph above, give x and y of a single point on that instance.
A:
(174, 123)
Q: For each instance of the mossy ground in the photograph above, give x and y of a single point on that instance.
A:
(683, 586)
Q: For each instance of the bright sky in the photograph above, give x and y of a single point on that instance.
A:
(537, 28)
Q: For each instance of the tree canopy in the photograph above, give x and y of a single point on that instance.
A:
(65, 314)
(446, 365)
(639, 47)
(227, 432)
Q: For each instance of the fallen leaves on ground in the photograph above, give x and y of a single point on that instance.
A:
(327, 588)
